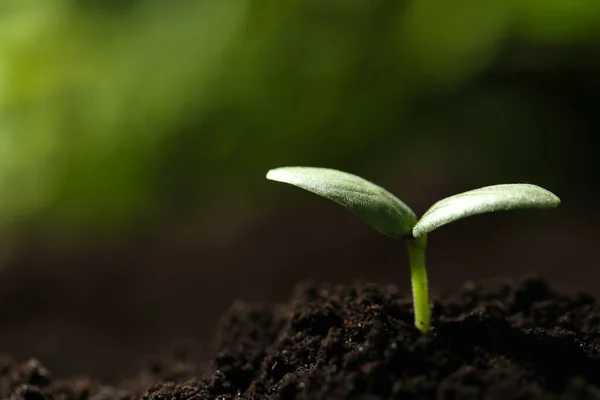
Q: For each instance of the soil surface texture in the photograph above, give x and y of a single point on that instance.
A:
(496, 339)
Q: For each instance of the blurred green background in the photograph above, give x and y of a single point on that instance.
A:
(114, 114)
(135, 137)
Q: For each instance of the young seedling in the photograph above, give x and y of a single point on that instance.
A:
(390, 216)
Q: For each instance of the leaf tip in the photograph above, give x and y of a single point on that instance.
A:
(276, 174)
(552, 200)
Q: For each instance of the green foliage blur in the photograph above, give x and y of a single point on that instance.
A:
(112, 112)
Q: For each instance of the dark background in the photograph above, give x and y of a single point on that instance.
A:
(135, 136)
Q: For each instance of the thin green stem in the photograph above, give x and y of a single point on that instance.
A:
(420, 285)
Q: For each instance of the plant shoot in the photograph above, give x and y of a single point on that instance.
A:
(390, 216)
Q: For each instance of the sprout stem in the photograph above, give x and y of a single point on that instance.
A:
(420, 285)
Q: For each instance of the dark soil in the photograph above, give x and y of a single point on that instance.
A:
(499, 339)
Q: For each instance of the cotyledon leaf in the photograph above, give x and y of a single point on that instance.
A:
(484, 200)
(379, 208)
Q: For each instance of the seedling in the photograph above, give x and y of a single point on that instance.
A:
(390, 216)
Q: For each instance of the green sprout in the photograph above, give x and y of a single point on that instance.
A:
(390, 216)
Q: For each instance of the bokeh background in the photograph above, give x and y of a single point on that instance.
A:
(135, 136)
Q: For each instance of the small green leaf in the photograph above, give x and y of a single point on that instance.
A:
(379, 208)
(484, 200)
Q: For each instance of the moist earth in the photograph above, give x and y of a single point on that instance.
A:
(495, 339)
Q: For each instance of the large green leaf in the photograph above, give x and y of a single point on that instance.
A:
(484, 200)
(381, 209)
